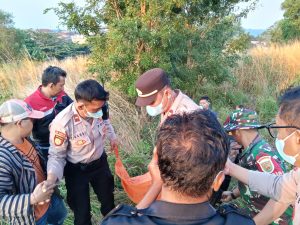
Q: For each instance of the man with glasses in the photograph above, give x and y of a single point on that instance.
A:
(285, 188)
(257, 154)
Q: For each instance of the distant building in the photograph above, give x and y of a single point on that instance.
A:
(259, 43)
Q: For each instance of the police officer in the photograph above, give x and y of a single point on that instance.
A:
(286, 188)
(257, 154)
(191, 153)
(77, 138)
(155, 92)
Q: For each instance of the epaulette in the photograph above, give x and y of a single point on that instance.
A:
(233, 215)
(122, 210)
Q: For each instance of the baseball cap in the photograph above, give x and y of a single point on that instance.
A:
(241, 119)
(14, 110)
(149, 84)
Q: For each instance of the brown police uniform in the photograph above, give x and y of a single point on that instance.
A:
(153, 81)
(77, 151)
(181, 104)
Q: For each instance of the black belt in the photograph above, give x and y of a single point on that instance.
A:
(87, 167)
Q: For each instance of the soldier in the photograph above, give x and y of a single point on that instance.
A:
(257, 154)
(282, 188)
(191, 154)
(77, 138)
(155, 92)
(49, 98)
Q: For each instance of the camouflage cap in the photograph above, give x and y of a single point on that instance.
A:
(241, 119)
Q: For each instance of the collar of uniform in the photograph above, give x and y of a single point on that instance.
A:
(76, 117)
(186, 212)
(175, 104)
(248, 150)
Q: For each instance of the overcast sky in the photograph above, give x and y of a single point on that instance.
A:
(29, 13)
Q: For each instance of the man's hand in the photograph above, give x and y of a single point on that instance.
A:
(40, 195)
(228, 167)
(226, 196)
(154, 170)
(114, 144)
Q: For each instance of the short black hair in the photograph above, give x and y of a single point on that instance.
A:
(192, 149)
(289, 104)
(239, 106)
(52, 74)
(205, 97)
(90, 90)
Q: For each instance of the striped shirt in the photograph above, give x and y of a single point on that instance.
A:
(17, 181)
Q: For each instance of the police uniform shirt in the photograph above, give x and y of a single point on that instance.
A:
(285, 188)
(181, 104)
(76, 140)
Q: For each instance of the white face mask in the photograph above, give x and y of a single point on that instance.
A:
(95, 115)
(154, 111)
(280, 147)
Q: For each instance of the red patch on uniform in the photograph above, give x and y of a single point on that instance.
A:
(266, 163)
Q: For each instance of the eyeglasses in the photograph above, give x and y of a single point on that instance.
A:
(273, 129)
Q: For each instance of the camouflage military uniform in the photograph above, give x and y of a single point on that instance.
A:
(258, 156)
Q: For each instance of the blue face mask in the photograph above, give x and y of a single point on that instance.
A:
(95, 115)
(154, 111)
(280, 148)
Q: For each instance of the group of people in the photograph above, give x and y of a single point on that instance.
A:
(48, 137)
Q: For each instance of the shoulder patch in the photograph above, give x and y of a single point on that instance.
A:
(59, 138)
(266, 164)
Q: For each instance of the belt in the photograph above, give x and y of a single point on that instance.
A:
(87, 167)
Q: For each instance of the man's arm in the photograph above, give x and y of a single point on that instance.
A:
(156, 186)
(57, 153)
(272, 211)
(237, 171)
(281, 188)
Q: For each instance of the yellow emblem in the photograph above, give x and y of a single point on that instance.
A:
(139, 92)
(81, 142)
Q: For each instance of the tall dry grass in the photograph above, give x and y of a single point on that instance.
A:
(20, 79)
(270, 70)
